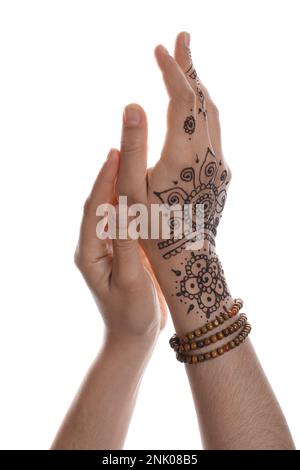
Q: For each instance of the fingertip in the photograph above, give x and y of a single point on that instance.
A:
(113, 155)
(134, 115)
(161, 53)
(183, 39)
(182, 51)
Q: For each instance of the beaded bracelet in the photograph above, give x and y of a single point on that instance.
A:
(232, 328)
(202, 330)
(195, 358)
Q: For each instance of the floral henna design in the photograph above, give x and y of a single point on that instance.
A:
(189, 125)
(202, 285)
(204, 185)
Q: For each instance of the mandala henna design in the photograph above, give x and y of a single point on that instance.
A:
(202, 285)
(204, 185)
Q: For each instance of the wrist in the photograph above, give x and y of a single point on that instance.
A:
(130, 346)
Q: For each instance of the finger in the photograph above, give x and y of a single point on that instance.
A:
(205, 104)
(127, 264)
(176, 83)
(133, 159)
(90, 248)
(182, 105)
(184, 59)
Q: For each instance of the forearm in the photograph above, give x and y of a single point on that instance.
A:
(101, 412)
(235, 405)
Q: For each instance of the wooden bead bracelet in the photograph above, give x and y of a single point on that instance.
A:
(232, 328)
(195, 358)
(202, 330)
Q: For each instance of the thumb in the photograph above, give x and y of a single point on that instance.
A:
(133, 159)
(127, 263)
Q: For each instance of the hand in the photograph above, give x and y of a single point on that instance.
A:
(117, 271)
(191, 170)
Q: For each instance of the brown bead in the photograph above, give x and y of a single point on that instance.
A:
(209, 326)
(194, 359)
(201, 358)
(232, 344)
(216, 322)
(235, 327)
(225, 316)
(226, 332)
(229, 314)
(237, 341)
(231, 329)
(220, 351)
(214, 354)
(207, 341)
(181, 348)
(213, 338)
(204, 329)
(193, 346)
(221, 320)
(184, 339)
(241, 338)
(207, 356)
(187, 347)
(189, 360)
(191, 336)
(198, 333)
(220, 335)
(226, 347)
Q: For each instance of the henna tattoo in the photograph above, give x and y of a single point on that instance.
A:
(202, 284)
(189, 125)
(192, 74)
(205, 185)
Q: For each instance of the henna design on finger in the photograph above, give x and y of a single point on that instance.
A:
(192, 74)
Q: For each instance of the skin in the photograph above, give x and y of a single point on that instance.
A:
(235, 405)
(133, 310)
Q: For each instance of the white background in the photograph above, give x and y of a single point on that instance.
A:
(67, 70)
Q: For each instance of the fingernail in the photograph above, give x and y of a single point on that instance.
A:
(131, 116)
(187, 39)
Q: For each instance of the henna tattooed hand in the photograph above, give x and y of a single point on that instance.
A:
(191, 170)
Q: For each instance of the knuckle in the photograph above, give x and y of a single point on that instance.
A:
(131, 145)
(78, 259)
